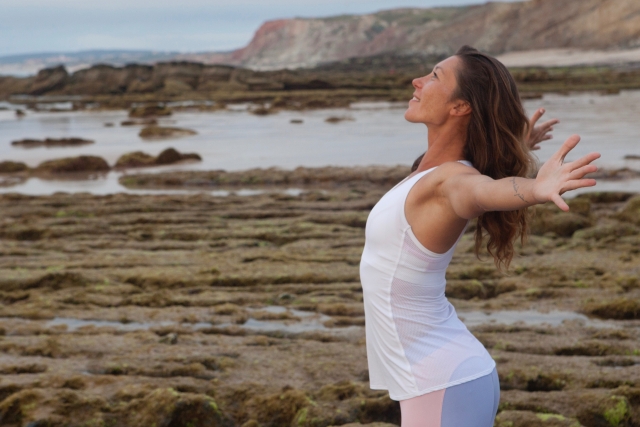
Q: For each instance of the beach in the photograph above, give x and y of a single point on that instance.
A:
(226, 291)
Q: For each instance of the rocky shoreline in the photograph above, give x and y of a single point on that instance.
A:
(336, 85)
(247, 310)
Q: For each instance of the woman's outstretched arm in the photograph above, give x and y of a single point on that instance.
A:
(472, 194)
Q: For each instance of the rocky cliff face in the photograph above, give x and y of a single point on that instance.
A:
(493, 27)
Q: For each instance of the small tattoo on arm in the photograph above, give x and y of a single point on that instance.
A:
(516, 187)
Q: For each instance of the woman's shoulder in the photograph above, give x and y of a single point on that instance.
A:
(450, 169)
(429, 184)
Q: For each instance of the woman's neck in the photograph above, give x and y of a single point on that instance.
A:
(446, 144)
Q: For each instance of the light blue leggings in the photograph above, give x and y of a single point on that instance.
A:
(470, 404)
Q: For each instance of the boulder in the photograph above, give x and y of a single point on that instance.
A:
(136, 159)
(12, 167)
(51, 142)
(550, 219)
(171, 155)
(334, 119)
(631, 211)
(149, 111)
(145, 122)
(48, 80)
(73, 165)
(167, 407)
(167, 157)
(160, 132)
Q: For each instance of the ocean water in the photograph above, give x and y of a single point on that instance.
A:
(234, 139)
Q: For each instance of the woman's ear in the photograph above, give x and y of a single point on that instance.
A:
(460, 108)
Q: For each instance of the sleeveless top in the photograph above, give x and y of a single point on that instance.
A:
(415, 341)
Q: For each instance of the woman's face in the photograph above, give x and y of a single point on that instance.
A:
(432, 103)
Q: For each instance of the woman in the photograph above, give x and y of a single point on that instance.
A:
(476, 166)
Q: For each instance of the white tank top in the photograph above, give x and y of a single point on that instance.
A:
(415, 341)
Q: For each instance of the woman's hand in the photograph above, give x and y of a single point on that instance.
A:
(539, 133)
(556, 177)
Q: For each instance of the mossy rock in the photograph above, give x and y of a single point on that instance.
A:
(549, 218)
(619, 309)
(532, 380)
(17, 408)
(339, 391)
(12, 167)
(631, 211)
(168, 408)
(611, 411)
(369, 425)
(603, 231)
(465, 289)
(149, 111)
(606, 196)
(135, 159)
(380, 409)
(51, 142)
(511, 418)
(278, 409)
(74, 165)
(160, 132)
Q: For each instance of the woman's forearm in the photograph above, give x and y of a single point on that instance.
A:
(506, 194)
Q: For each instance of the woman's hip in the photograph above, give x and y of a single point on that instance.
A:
(470, 404)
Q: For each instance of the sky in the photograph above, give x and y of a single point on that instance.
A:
(34, 26)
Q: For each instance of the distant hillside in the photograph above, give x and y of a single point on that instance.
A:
(493, 27)
(30, 64)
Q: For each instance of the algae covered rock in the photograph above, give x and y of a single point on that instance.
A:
(17, 409)
(608, 230)
(161, 132)
(135, 159)
(73, 165)
(166, 407)
(12, 167)
(620, 309)
(51, 142)
(511, 418)
(277, 409)
(139, 159)
(606, 196)
(631, 211)
(611, 411)
(549, 218)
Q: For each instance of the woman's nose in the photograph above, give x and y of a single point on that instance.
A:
(416, 83)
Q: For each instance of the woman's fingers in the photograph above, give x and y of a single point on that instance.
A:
(580, 172)
(578, 183)
(583, 161)
(536, 116)
(568, 145)
(559, 202)
(548, 124)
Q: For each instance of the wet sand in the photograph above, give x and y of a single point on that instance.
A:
(176, 310)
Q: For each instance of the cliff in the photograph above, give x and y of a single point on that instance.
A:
(493, 27)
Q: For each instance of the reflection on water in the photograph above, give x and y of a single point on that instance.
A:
(234, 139)
(304, 321)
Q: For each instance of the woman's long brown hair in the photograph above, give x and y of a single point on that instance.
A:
(495, 144)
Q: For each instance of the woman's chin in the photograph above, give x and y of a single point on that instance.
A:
(409, 116)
